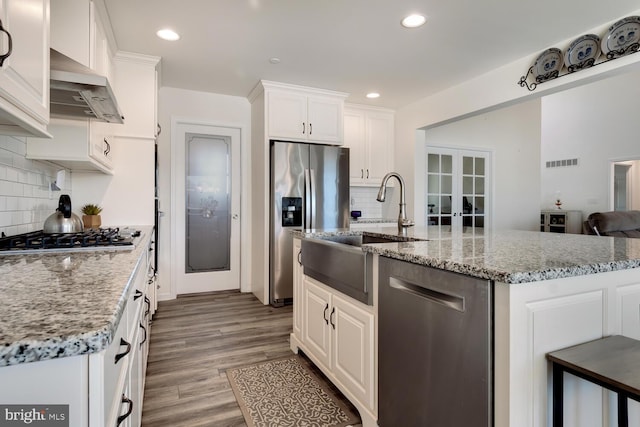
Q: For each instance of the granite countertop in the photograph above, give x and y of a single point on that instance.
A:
(507, 256)
(64, 304)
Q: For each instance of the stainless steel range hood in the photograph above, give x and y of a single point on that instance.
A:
(77, 91)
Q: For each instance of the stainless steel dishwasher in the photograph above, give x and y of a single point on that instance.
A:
(435, 347)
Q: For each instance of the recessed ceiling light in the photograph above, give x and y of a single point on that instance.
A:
(413, 21)
(373, 95)
(274, 60)
(167, 34)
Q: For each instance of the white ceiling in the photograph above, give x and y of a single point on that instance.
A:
(354, 46)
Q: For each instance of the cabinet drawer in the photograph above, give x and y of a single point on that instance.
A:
(113, 370)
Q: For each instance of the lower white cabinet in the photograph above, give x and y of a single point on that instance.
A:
(297, 287)
(337, 334)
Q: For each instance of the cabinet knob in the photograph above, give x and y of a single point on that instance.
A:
(9, 45)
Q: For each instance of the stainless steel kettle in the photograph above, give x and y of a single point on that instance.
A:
(63, 220)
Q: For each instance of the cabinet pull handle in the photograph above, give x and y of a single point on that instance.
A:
(129, 402)
(310, 128)
(148, 302)
(325, 314)
(367, 173)
(300, 257)
(303, 128)
(137, 295)
(108, 150)
(124, 353)
(145, 334)
(9, 48)
(361, 173)
(333, 310)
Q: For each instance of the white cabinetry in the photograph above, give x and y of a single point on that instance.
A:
(137, 91)
(24, 75)
(303, 114)
(297, 287)
(532, 319)
(369, 134)
(338, 335)
(79, 145)
(100, 388)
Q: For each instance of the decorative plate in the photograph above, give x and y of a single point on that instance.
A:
(583, 50)
(548, 64)
(621, 35)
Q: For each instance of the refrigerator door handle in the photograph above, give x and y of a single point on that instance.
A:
(309, 198)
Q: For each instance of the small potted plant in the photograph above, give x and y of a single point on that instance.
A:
(91, 216)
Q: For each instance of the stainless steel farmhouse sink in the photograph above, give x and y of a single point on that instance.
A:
(338, 261)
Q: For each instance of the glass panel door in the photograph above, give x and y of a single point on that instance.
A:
(439, 189)
(457, 183)
(208, 220)
(473, 190)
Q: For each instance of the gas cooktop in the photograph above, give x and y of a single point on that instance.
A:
(88, 240)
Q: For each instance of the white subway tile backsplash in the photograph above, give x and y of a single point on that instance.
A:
(364, 199)
(25, 198)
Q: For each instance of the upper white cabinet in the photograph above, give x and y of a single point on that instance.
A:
(24, 74)
(136, 89)
(369, 134)
(303, 114)
(78, 145)
(80, 30)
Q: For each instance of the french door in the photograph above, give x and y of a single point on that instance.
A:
(457, 188)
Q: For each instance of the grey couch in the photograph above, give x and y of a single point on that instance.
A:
(616, 224)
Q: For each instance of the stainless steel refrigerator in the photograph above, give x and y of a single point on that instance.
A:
(309, 190)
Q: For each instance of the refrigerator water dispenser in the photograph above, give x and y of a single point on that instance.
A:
(292, 211)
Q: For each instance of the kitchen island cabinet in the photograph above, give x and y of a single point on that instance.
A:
(551, 291)
(75, 332)
(337, 333)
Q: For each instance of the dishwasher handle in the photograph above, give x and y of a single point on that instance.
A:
(451, 301)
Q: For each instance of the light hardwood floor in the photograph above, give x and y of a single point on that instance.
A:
(194, 339)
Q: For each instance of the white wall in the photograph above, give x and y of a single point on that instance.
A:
(512, 134)
(127, 196)
(596, 123)
(488, 92)
(25, 199)
(211, 109)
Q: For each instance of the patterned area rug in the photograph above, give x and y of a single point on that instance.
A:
(287, 393)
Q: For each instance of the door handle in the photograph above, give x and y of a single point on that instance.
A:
(124, 353)
(333, 310)
(129, 402)
(9, 47)
(324, 314)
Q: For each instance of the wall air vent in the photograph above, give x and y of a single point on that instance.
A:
(561, 163)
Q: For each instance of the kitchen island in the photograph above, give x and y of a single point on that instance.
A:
(550, 291)
(62, 319)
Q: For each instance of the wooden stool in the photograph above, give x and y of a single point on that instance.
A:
(611, 362)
